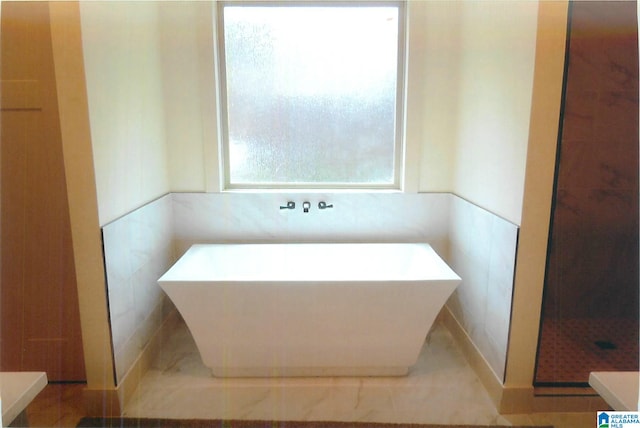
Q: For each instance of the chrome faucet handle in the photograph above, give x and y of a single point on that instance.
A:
(290, 206)
(323, 205)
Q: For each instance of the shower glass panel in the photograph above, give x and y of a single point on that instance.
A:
(590, 306)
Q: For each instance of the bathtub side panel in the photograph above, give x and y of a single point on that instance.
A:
(330, 328)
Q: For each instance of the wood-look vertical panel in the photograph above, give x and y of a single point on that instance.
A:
(40, 325)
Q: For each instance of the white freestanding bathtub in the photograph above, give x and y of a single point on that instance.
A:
(309, 309)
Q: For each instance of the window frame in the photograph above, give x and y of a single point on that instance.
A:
(399, 151)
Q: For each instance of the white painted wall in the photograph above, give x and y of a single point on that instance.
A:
(184, 122)
(187, 57)
(496, 63)
(124, 73)
(437, 73)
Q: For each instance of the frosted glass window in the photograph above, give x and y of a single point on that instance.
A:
(311, 95)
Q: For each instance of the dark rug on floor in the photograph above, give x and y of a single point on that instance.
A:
(204, 423)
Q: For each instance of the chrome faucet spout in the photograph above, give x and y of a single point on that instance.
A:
(290, 206)
(305, 206)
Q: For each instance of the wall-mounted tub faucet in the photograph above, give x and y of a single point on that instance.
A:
(290, 206)
(323, 205)
(305, 206)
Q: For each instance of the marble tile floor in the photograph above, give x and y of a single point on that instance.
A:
(440, 388)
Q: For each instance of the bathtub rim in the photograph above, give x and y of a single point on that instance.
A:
(185, 269)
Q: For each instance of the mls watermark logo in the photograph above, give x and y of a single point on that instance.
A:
(618, 420)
